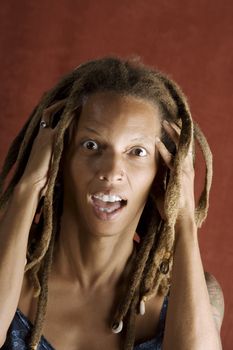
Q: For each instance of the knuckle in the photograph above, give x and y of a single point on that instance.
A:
(46, 113)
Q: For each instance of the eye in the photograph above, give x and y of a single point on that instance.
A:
(90, 145)
(139, 152)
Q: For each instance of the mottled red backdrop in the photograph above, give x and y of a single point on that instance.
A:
(190, 40)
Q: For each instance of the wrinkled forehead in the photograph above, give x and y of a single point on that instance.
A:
(105, 111)
(116, 97)
(109, 106)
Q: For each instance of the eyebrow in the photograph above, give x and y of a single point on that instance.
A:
(141, 138)
(92, 130)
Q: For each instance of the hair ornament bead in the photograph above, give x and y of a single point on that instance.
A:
(117, 327)
(142, 306)
(164, 266)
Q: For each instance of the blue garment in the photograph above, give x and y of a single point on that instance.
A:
(19, 332)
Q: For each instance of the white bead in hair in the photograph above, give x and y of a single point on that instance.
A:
(142, 307)
(117, 327)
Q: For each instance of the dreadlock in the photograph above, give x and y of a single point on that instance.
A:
(152, 265)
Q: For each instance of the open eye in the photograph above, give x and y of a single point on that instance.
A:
(90, 145)
(139, 151)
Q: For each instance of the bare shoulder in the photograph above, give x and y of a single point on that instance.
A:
(216, 298)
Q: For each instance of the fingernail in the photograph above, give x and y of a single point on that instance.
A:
(166, 122)
(157, 139)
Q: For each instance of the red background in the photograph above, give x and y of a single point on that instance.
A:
(190, 40)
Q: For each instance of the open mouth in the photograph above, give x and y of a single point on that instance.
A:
(107, 206)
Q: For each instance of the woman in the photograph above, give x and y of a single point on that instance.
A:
(101, 206)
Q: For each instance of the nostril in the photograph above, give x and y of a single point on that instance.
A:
(103, 178)
(111, 177)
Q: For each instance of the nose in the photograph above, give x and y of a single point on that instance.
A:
(111, 169)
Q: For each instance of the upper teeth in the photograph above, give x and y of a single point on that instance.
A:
(107, 198)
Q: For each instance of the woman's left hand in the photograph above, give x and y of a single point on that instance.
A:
(186, 208)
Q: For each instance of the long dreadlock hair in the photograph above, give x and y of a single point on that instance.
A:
(152, 265)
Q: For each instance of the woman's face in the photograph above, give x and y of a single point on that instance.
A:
(111, 162)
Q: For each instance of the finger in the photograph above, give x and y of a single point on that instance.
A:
(177, 129)
(49, 112)
(173, 131)
(191, 149)
(165, 154)
(56, 106)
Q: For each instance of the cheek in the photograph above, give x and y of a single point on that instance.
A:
(143, 180)
(74, 175)
(79, 168)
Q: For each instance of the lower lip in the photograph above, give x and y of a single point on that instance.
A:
(104, 215)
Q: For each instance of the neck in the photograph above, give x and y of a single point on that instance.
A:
(93, 262)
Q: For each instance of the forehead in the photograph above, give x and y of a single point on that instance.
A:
(108, 110)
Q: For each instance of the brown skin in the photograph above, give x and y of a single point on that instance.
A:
(87, 265)
(121, 128)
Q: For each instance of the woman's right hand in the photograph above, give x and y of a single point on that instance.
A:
(36, 173)
(17, 218)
